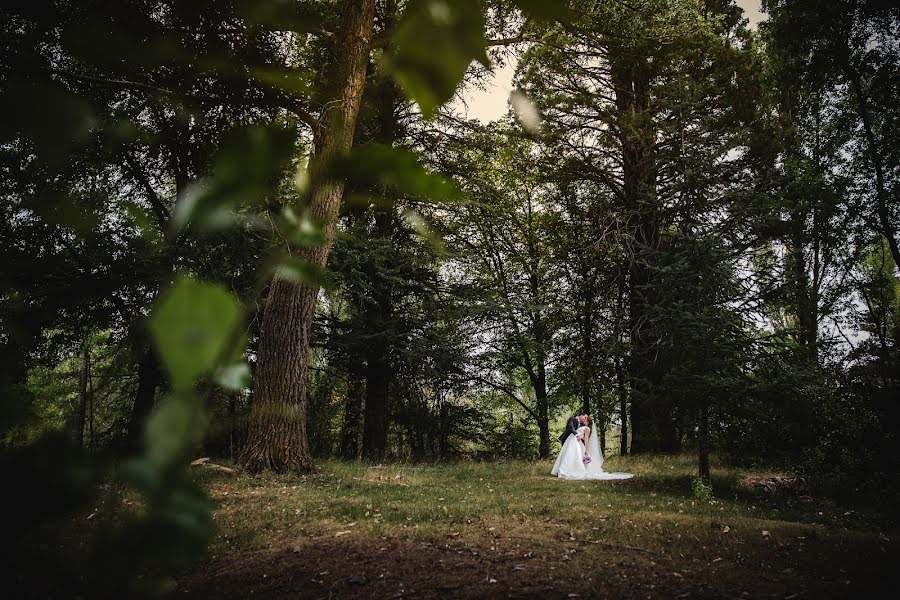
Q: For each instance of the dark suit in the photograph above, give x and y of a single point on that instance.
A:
(571, 429)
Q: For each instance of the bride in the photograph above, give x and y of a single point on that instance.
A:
(580, 456)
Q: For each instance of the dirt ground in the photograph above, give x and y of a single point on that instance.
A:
(388, 568)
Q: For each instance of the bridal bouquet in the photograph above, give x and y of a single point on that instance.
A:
(586, 458)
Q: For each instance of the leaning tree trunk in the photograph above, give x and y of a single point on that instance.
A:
(884, 226)
(277, 438)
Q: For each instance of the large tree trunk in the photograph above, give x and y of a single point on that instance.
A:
(384, 101)
(149, 380)
(277, 438)
(631, 80)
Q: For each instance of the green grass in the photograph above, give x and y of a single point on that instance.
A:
(518, 504)
(657, 506)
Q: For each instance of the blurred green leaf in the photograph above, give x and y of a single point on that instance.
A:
(234, 377)
(290, 80)
(300, 230)
(192, 326)
(298, 270)
(374, 166)
(174, 429)
(417, 222)
(526, 112)
(432, 48)
(246, 168)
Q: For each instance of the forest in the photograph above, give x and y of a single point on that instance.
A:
(272, 299)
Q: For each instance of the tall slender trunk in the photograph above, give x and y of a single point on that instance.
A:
(587, 348)
(631, 80)
(352, 417)
(232, 417)
(149, 380)
(83, 390)
(375, 426)
(704, 444)
(623, 403)
(884, 226)
(444, 429)
(601, 431)
(380, 310)
(543, 421)
(277, 438)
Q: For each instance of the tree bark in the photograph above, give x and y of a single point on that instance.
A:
(277, 438)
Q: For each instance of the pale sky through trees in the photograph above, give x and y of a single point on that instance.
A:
(491, 103)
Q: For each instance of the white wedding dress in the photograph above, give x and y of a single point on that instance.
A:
(569, 463)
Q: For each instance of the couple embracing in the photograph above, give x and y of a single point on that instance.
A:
(580, 456)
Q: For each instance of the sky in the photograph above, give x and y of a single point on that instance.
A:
(490, 103)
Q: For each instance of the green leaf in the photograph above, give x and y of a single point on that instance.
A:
(301, 230)
(298, 270)
(417, 222)
(174, 430)
(192, 325)
(432, 47)
(234, 377)
(374, 166)
(526, 112)
(246, 168)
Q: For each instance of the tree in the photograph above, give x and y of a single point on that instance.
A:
(277, 438)
(640, 115)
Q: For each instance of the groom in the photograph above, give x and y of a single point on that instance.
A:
(572, 426)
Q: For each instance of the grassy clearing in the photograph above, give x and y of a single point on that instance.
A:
(516, 509)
